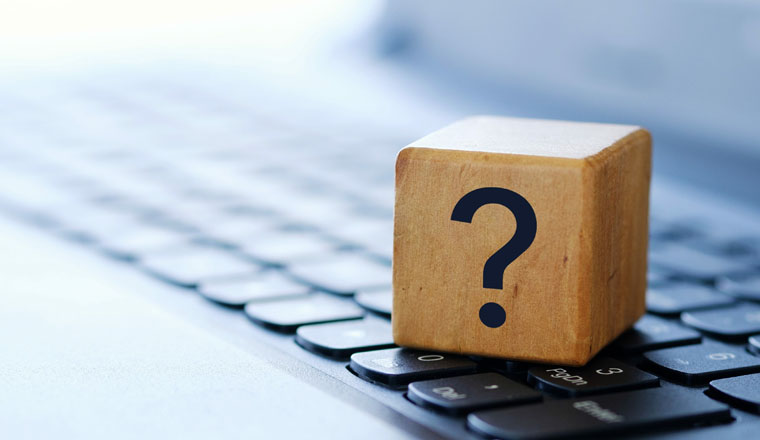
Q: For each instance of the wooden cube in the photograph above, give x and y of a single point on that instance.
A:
(521, 239)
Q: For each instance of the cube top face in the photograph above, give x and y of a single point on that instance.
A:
(531, 137)
(565, 291)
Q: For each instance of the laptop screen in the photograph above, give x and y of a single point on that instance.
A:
(689, 67)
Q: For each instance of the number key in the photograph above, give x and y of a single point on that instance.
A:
(698, 364)
(461, 394)
(601, 375)
(396, 367)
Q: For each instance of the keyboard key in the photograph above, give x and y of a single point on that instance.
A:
(137, 241)
(652, 333)
(692, 263)
(237, 229)
(396, 367)
(754, 345)
(265, 285)
(743, 287)
(610, 415)
(732, 247)
(658, 277)
(463, 394)
(319, 210)
(659, 230)
(284, 247)
(379, 301)
(676, 298)
(92, 225)
(340, 340)
(698, 364)
(344, 274)
(742, 391)
(286, 315)
(601, 375)
(729, 322)
(374, 235)
(189, 266)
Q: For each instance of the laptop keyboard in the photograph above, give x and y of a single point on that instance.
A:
(292, 224)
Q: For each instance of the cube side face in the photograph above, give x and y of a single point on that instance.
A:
(438, 263)
(618, 211)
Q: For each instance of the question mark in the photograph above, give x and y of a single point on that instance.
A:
(492, 314)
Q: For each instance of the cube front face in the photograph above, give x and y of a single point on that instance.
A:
(438, 266)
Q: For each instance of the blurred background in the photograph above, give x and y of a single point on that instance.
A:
(687, 70)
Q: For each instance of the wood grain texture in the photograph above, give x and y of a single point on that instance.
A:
(580, 283)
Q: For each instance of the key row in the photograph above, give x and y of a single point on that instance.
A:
(672, 298)
(610, 415)
(228, 278)
(689, 365)
(707, 309)
(451, 384)
(669, 349)
(232, 280)
(455, 385)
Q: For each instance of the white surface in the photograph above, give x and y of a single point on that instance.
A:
(85, 356)
(533, 137)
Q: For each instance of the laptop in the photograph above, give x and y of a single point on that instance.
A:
(197, 202)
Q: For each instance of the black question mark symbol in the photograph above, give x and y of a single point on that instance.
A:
(492, 314)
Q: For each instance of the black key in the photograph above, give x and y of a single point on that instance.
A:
(601, 375)
(463, 394)
(189, 266)
(754, 345)
(286, 315)
(676, 298)
(729, 322)
(396, 367)
(380, 301)
(340, 340)
(612, 414)
(344, 274)
(742, 391)
(652, 333)
(692, 263)
(698, 364)
(265, 285)
(743, 287)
